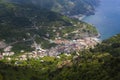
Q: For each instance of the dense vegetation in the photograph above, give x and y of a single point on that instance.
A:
(88, 65)
(111, 45)
(67, 7)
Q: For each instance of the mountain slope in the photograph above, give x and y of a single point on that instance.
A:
(67, 7)
(111, 45)
(84, 65)
(22, 25)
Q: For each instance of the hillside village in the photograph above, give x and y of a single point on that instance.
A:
(30, 32)
(63, 46)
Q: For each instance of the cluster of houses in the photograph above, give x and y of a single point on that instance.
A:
(64, 46)
(68, 46)
(6, 52)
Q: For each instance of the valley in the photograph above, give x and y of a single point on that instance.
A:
(46, 40)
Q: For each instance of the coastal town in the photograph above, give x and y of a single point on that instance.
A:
(63, 46)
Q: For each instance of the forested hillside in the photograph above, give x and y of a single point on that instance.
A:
(67, 7)
(25, 24)
(85, 65)
(111, 45)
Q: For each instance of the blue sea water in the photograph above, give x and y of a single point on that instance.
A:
(106, 18)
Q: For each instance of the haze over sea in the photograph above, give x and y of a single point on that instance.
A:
(106, 18)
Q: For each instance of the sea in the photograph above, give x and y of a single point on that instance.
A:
(106, 18)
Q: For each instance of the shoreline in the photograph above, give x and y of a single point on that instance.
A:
(98, 33)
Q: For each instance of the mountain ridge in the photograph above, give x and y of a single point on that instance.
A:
(66, 7)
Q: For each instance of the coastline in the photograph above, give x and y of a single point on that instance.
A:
(82, 19)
